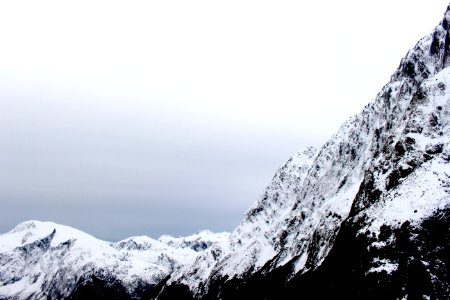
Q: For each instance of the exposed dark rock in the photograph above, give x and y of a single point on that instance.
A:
(98, 288)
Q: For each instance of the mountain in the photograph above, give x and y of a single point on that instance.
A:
(366, 216)
(47, 260)
(197, 242)
(250, 245)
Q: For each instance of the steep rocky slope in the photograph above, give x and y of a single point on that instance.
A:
(275, 203)
(381, 184)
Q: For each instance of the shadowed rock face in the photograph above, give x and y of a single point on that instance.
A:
(364, 217)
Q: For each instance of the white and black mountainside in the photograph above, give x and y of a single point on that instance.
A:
(369, 216)
(366, 216)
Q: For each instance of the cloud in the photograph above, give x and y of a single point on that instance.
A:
(152, 118)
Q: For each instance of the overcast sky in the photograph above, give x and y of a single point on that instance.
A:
(128, 118)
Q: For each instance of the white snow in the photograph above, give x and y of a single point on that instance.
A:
(419, 195)
(383, 265)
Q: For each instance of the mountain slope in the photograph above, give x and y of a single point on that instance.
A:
(274, 204)
(387, 166)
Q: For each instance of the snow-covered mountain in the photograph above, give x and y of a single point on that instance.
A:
(366, 216)
(385, 170)
(44, 259)
(250, 246)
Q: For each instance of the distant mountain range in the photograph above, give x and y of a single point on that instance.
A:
(44, 259)
(366, 216)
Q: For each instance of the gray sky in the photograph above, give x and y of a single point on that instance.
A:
(126, 118)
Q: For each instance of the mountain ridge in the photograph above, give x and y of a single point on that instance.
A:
(40, 259)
